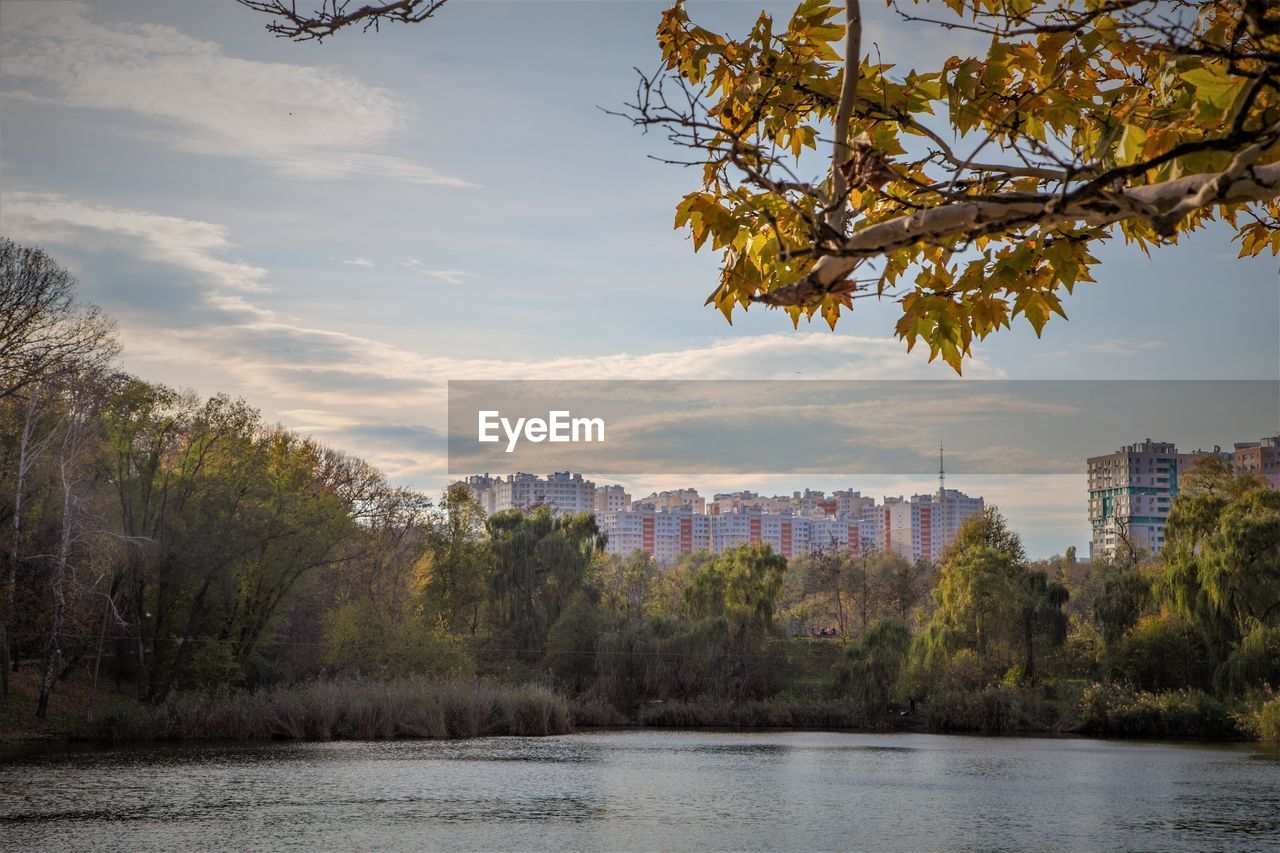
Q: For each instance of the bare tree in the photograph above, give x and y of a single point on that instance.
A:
(83, 399)
(44, 331)
(332, 15)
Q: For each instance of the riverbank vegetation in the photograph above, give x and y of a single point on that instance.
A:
(236, 579)
(328, 710)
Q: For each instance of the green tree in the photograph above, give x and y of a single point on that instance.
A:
(457, 561)
(978, 605)
(732, 601)
(1160, 652)
(1222, 553)
(990, 602)
(626, 584)
(742, 585)
(872, 665)
(572, 641)
(1042, 618)
(298, 523)
(902, 584)
(1126, 595)
(540, 561)
(182, 471)
(988, 529)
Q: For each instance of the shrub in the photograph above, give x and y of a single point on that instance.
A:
(779, 712)
(1108, 709)
(1259, 718)
(595, 713)
(998, 709)
(1268, 717)
(1160, 653)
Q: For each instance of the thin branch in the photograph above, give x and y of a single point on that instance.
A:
(333, 16)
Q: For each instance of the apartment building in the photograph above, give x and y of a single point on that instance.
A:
(612, 499)
(1259, 457)
(922, 526)
(787, 534)
(1131, 491)
(481, 488)
(562, 491)
(667, 524)
(662, 533)
(808, 503)
(677, 499)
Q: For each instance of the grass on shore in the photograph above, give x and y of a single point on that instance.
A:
(423, 708)
(329, 710)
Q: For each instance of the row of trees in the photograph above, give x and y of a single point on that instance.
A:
(171, 542)
(1203, 616)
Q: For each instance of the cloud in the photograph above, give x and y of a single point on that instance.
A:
(1124, 347)
(361, 262)
(304, 121)
(376, 399)
(192, 245)
(450, 276)
(1116, 347)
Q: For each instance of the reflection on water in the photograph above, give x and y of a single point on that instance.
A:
(647, 790)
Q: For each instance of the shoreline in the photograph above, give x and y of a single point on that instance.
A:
(12, 742)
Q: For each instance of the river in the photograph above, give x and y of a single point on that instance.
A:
(647, 790)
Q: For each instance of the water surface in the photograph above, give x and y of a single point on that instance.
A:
(648, 790)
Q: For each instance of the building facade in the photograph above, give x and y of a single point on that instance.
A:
(1131, 492)
(677, 499)
(663, 534)
(562, 491)
(667, 524)
(922, 526)
(612, 499)
(1261, 458)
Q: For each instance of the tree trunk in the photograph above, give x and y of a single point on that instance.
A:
(1030, 668)
(19, 489)
(53, 646)
(97, 662)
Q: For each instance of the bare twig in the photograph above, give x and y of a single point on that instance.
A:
(332, 15)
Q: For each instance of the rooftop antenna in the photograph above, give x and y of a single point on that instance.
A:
(942, 474)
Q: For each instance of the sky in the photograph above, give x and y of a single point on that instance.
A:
(334, 231)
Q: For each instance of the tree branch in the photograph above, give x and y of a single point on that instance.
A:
(969, 220)
(840, 153)
(333, 16)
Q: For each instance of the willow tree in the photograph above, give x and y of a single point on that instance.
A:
(1223, 558)
(976, 192)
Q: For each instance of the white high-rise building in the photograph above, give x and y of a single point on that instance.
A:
(1131, 492)
(788, 534)
(667, 524)
(921, 527)
(663, 533)
(563, 492)
(481, 488)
